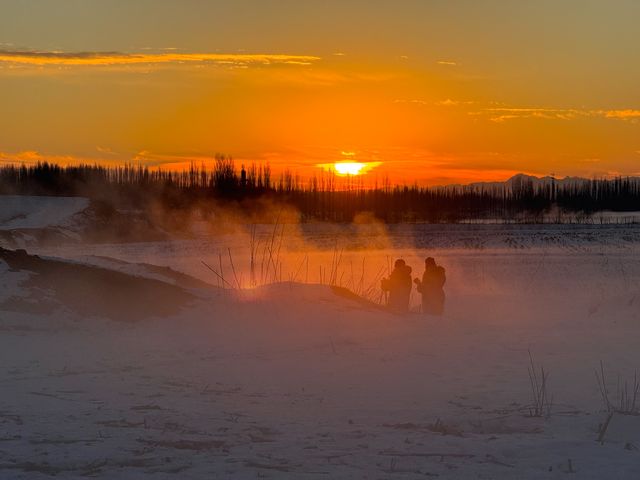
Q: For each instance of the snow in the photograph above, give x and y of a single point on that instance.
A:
(287, 380)
(21, 211)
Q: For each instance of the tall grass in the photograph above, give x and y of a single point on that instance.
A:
(267, 263)
(625, 401)
(541, 403)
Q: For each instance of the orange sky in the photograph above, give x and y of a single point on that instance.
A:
(434, 92)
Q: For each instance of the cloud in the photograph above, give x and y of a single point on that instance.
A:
(57, 58)
(152, 159)
(454, 103)
(106, 156)
(449, 63)
(440, 103)
(502, 114)
(415, 101)
(105, 150)
(30, 157)
(505, 113)
(623, 114)
(448, 103)
(499, 112)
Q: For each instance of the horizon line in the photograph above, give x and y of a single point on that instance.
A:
(354, 180)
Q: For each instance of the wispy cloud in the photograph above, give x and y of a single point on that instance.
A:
(106, 156)
(438, 103)
(509, 113)
(502, 114)
(454, 103)
(623, 114)
(30, 157)
(449, 63)
(58, 58)
(105, 150)
(590, 160)
(153, 159)
(412, 100)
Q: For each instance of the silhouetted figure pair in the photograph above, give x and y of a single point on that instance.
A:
(431, 287)
(399, 287)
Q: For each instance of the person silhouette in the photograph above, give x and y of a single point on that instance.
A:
(431, 287)
(399, 287)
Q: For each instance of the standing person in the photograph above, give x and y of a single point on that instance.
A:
(399, 287)
(431, 287)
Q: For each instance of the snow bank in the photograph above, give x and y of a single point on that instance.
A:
(21, 211)
(88, 291)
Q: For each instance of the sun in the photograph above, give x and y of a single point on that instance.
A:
(345, 168)
(349, 168)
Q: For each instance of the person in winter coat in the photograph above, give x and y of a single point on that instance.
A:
(399, 287)
(431, 287)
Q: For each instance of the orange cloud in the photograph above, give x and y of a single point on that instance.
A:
(29, 157)
(623, 114)
(106, 157)
(502, 114)
(510, 113)
(56, 58)
(170, 162)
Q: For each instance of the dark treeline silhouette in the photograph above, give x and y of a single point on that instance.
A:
(323, 197)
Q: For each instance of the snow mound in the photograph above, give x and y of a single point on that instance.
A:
(22, 211)
(85, 290)
(310, 301)
(145, 270)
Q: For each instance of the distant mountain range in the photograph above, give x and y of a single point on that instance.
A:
(522, 178)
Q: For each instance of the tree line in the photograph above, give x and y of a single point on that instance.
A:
(323, 197)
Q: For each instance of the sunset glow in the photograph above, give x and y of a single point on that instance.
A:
(431, 91)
